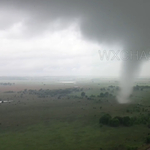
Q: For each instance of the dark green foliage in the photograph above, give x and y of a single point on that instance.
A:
(148, 126)
(106, 94)
(119, 147)
(137, 87)
(105, 119)
(135, 120)
(101, 125)
(43, 93)
(102, 89)
(117, 121)
(102, 95)
(120, 119)
(126, 121)
(148, 140)
(117, 88)
(110, 95)
(132, 148)
(83, 94)
(92, 96)
(114, 122)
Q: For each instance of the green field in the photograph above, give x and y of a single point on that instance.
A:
(43, 116)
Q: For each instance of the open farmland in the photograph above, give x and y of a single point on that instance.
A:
(39, 115)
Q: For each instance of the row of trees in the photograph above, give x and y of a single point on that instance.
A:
(102, 95)
(1, 83)
(116, 121)
(106, 94)
(137, 87)
(42, 93)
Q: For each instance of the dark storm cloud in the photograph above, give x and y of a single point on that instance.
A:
(125, 21)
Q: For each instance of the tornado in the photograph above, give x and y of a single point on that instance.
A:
(123, 22)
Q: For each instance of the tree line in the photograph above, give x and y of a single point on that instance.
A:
(117, 121)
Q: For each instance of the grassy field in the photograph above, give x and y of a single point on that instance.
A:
(68, 122)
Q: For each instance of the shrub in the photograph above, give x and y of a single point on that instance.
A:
(105, 119)
(132, 148)
(117, 121)
(127, 121)
(83, 94)
(101, 94)
(148, 140)
(114, 122)
(120, 119)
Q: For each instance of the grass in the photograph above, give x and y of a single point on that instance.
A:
(31, 123)
(75, 135)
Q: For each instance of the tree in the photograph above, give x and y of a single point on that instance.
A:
(148, 140)
(101, 94)
(83, 94)
(105, 119)
(120, 119)
(114, 122)
(106, 94)
(126, 121)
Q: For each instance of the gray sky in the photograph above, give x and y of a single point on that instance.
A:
(62, 37)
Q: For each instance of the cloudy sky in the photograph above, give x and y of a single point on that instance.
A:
(62, 37)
